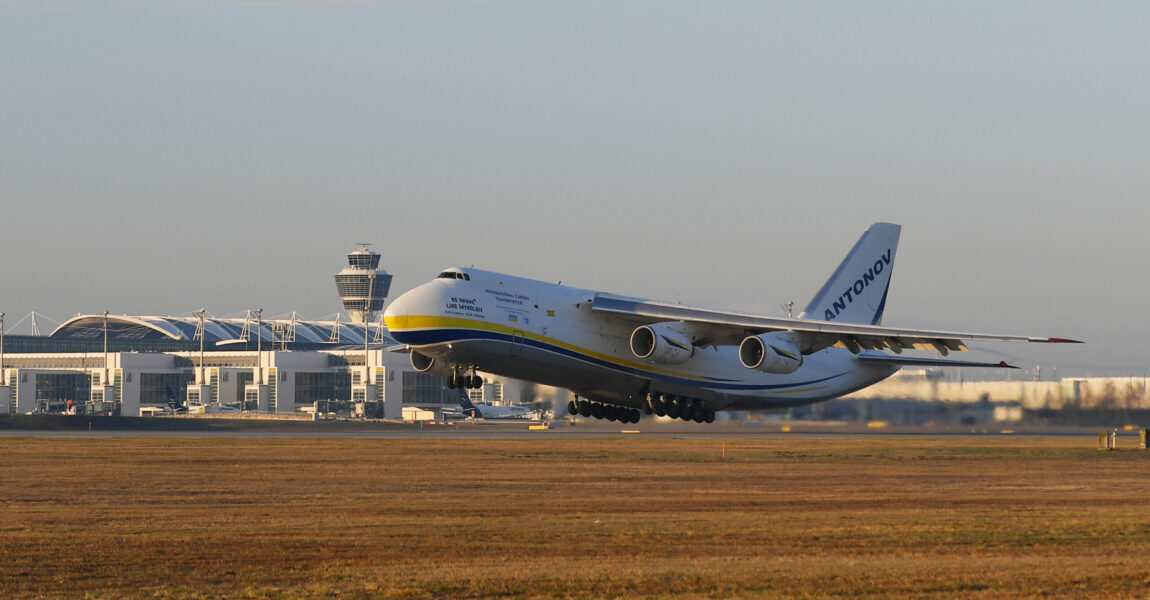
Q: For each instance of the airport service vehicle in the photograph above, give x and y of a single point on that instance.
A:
(622, 356)
(491, 411)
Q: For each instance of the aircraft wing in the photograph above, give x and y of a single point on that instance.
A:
(721, 327)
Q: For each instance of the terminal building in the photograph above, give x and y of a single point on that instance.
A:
(131, 365)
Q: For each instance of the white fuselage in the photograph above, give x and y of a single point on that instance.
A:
(490, 411)
(548, 334)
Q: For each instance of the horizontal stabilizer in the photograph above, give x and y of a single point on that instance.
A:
(929, 362)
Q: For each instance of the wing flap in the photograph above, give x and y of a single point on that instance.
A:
(929, 362)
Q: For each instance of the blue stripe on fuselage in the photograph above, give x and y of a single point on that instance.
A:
(452, 335)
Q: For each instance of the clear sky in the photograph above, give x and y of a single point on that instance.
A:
(157, 157)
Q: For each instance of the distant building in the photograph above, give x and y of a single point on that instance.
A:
(269, 381)
(123, 364)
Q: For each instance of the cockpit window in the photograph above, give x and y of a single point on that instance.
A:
(454, 275)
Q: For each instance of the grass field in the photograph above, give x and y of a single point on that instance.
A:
(572, 518)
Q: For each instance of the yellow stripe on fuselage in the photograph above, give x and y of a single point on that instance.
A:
(402, 322)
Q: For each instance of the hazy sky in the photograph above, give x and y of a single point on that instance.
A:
(158, 157)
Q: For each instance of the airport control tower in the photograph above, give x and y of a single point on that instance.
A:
(362, 285)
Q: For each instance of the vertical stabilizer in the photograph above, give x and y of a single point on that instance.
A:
(856, 292)
(468, 406)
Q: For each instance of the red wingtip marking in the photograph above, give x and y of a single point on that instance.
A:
(1006, 366)
(1063, 341)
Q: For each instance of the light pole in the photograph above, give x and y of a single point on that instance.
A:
(259, 346)
(105, 347)
(3, 379)
(200, 379)
(366, 336)
(104, 377)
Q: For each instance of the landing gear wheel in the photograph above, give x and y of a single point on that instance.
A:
(596, 410)
(710, 418)
(674, 409)
(584, 408)
(660, 406)
(688, 411)
(572, 407)
(610, 412)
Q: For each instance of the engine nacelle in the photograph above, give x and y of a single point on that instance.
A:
(428, 364)
(776, 352)
(664, 343)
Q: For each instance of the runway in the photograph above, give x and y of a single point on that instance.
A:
(193, 427)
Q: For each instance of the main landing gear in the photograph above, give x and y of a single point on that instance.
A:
(471, 382)
(677, 407)
(609, 412)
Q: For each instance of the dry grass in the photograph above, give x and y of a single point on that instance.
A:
(594, 518)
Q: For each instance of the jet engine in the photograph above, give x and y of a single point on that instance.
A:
(428, 364)
(664, 343)
(774, 352)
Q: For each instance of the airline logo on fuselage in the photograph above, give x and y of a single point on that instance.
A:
(860, 285)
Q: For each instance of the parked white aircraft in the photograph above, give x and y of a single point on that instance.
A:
(625, 355)
(491, 411)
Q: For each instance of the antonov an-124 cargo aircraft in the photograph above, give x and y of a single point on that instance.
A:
(625, 356)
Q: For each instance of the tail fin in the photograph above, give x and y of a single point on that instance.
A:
(467, 405)
(173, 402)
(856, 292)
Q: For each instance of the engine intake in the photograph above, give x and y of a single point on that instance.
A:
(774, 352)
(664, 343)
(428, 364)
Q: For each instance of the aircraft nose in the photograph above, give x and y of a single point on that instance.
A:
(396, 314)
